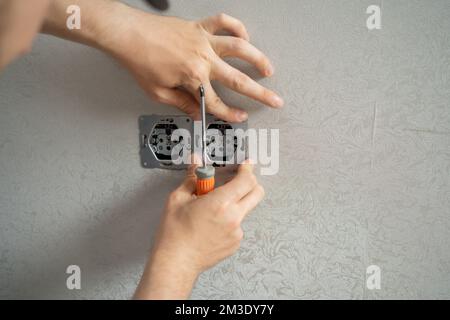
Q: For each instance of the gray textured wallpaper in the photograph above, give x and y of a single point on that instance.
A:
(364, 173)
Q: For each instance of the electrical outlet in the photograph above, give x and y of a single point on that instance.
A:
(160, 139)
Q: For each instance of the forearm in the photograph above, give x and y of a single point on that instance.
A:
(166, 277)
(99, 22)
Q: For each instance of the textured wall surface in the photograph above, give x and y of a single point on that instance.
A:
(364, 160)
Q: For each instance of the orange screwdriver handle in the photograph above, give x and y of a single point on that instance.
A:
(205, 185)
(205, 179)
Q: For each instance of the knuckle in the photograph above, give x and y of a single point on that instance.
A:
(239, 235)
(196, 70)
(158, 95)
(221, 208)
(241, 26)
(239, 81)
(267, 94)
(222, 17)
(184, 105)
(233, 223)
(216, 100)
(238, 44)
(198, 25)
(174, 196)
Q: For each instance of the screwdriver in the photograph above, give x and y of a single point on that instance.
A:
(205, 173)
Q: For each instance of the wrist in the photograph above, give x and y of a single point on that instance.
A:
(111, 27)
(97, 21)
(178, 258)
(168, 274)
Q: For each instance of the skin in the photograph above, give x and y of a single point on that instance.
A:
(196, 233)
(19, 23)
(175, 57)
(169, 58)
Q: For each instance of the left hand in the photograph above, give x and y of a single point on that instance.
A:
(171, 57)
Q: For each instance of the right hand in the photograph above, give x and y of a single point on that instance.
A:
(206, 229)
(196, 233)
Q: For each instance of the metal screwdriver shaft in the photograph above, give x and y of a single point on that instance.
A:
(205, 173)
(203, 112)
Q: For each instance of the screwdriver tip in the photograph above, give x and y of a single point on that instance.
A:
(202, 90)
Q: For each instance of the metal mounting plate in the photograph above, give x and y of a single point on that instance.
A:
(157, 142)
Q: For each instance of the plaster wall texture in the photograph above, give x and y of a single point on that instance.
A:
(364, 173)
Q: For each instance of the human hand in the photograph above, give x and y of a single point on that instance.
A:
(197, 232)
(171, 57)
(19, 22)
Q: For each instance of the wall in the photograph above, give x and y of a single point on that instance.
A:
(364, 160)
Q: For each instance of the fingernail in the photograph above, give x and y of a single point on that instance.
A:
(249, 161)
(276, 101)
(241, 115)
(269, 70)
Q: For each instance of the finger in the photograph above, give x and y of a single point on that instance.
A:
(190, 182)
(217, 107)
(227, 23)
(178, 98)
(240, 185)
(251, 200)
(242, 83)
(235, 47)
(188, 186)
